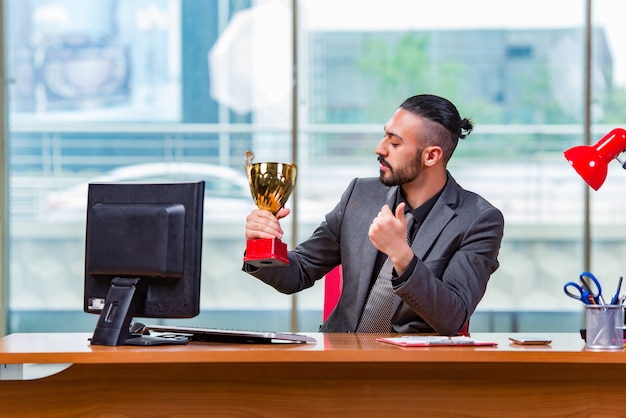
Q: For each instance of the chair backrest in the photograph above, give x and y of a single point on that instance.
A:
(465, 329)
(332, 290)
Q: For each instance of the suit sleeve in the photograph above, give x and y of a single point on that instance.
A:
(446, 289)
(311, 259)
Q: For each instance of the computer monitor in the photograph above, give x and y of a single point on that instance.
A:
(143, 255)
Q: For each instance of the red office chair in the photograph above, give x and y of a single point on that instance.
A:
(332, 290)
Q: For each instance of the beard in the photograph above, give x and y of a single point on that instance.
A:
(397, 176)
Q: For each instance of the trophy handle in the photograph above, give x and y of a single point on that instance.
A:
(249, 157)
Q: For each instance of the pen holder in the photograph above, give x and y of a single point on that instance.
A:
(604, 327)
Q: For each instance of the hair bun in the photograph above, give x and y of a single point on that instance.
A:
(466, 128)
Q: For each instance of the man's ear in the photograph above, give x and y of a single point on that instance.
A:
(432, 155)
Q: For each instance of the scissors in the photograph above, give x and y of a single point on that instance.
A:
(588, 293)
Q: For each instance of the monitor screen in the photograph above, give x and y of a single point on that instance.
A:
(143, 255)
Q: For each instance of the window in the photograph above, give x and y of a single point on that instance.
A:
(103, 89)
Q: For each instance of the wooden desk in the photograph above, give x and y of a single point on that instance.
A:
(341, 375)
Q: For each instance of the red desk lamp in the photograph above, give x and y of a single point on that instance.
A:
(591, 162)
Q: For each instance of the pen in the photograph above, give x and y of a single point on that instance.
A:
(619, 287)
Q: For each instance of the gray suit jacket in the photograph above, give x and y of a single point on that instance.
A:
(457, 250)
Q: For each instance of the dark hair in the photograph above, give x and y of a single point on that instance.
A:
(444, 114)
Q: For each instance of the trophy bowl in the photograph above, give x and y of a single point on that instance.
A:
(271, 184)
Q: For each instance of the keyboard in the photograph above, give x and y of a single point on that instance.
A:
(229, 335)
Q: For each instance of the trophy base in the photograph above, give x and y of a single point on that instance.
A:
(266, 252)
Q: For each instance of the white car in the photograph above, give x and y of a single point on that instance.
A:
(227, 196)
(227, 192)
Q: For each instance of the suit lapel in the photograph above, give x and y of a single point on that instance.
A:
(430, 230)
(434, 223)
(436, 220)
(370, 253)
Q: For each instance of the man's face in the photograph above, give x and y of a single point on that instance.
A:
(400, 151)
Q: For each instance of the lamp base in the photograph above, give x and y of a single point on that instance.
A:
(268, 252)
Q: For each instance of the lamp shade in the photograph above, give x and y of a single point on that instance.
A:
(591, 162)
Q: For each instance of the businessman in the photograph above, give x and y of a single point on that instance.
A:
(416, 249)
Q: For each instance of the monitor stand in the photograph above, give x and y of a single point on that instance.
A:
(113, 327)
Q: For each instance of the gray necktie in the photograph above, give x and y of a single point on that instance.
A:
(378, 309)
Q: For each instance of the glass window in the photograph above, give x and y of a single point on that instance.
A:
(141, 90)
(518, 77)
(607, 205)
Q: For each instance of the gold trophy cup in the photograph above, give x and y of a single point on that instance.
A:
(270, 185)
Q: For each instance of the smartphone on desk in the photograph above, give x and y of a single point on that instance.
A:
(529, 340)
